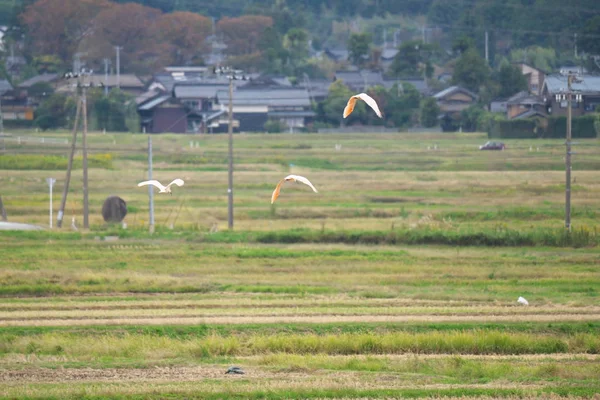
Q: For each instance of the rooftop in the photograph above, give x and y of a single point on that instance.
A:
(588, 84)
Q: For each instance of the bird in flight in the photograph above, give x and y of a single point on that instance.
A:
(291, 178)
(162, 189)
(364, 97)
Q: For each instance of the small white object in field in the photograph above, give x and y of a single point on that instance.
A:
(364, 97)
(291, 178)
(162, 189)
(338, 147)
(521, 300)
(73, 226)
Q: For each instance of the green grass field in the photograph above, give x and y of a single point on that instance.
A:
(399, 279)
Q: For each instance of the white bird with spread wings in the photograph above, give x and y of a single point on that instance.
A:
(162, 189)
(364, 97)
(291, 178)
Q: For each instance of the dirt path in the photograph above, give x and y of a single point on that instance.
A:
(299, 319)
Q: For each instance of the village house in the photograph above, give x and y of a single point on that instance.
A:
(454, 100)
(587, 86)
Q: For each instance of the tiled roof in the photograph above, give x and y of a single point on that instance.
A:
(588, 84)
(37, 79)
(452, 89)
(269, 97)
(153, 103)
(200, 91)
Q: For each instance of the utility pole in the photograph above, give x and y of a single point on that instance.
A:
(3, 211)
(230, 152)
(571, 78)
(487, 58)
(106, 60)
(232, 77)
(63, 201)
(86, 224)
(150, 188)
(50, 182)
(1, 118)
(118, 48)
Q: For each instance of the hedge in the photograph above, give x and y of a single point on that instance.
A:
(582, 127)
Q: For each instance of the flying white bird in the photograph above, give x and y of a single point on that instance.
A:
(364, 97)
(162, 189)
(292, 178)
(522, 300)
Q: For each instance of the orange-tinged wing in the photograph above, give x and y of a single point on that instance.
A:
(275, 194)
(301, 179)
(370, 102)
(294, 178)
(349, 106)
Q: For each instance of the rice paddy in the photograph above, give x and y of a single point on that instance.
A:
(399, 279)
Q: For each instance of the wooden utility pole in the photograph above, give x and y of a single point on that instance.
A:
(86, 223)
(230, 165)
(150, 187)
(568, 159)
(63, 201)
(3, 210)
(568, 96)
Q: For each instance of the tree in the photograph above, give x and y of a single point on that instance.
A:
(295, 42)
(53, 112)
(536, 56)
(511, 80)
(471, 118)
(135, 29)
(57, 26)
(471, 71)
(270, 45)
(413, 59)
(111, 111)
(186, 32)
(588, 38)
(333, 105)
(406, 61)
(429, 112)
(462, 44)
(358, 47)
(242, 35)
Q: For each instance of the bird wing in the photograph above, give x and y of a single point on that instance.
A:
(370, 102)
(275, 194)
(301, 179)
(349, 106)
(178, 182)
(153, 183)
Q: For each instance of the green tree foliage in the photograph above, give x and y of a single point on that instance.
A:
(472, 118)
(333, 106)
(407, 61)
(358, 47)
(295, 42)
(429, 112)
(589, 38)
(510, 80)
(53, 112)
(536, 56)
(111, 111)
(471, 71)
